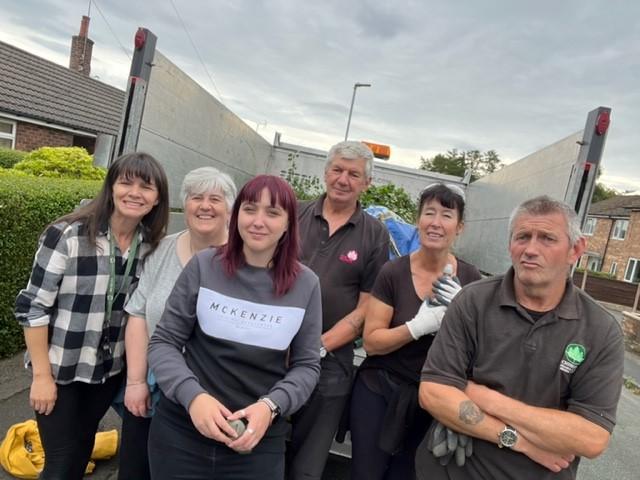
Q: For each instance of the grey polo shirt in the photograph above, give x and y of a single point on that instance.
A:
(346, 262)
(570, 359)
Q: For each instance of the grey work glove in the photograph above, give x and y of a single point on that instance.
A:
(445, 289)
(427, 320)
(445, 444)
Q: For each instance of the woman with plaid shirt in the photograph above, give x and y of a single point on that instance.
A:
(72, 307)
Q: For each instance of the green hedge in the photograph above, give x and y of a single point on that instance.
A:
(591, 273)
(27, 206)
(8, 157)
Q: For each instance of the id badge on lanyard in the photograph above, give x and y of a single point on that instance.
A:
(111, 290)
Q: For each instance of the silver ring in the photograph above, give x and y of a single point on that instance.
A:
(251, 431)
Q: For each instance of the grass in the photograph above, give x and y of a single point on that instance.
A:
(631, 385)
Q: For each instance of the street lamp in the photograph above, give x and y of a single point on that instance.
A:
(353, 99)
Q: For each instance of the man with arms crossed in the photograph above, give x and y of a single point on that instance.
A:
(525, 362)
(345, 247)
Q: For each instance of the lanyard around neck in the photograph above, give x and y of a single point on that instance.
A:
(126, 280)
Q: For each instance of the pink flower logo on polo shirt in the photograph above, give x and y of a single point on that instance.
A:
(350, 257)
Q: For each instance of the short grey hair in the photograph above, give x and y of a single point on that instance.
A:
(544, 205)
(206, 179)
(351, 150)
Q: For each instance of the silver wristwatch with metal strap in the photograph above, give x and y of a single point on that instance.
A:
(275, 409)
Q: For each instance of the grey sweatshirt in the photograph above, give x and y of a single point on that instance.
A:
(241, 341)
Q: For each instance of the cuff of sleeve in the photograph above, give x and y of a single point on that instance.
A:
(134, 309)
(281, 399)
(603, 419)
(34, 322)
(187, 391)
(458, 383)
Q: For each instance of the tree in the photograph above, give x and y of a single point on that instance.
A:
(456, 163)
(602, 192)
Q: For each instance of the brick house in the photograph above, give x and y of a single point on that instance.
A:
(612, 230)
(45, 104)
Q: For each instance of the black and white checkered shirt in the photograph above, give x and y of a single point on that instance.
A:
(67, 291)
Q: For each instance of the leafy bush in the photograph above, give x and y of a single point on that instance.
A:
(305, 187)
(591, 273)
(8, 157)
(61, 162)
(394, 198)
(27, 206)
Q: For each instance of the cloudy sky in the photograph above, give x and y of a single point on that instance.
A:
(502, 75)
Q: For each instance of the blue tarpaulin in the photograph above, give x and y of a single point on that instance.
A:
(404, 236)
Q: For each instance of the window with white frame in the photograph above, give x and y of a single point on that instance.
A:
(594, 264)
(589, 226)
(613, 269)
(620, 229)
(632, 272)
(7, 133)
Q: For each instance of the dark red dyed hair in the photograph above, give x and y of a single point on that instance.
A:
(284, 264)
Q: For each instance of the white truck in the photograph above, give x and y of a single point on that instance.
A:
(170, 116)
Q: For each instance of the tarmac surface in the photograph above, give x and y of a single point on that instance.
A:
(621, 461)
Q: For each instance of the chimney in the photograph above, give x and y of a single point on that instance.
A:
(81, 48)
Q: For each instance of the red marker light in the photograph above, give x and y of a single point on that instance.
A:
(602, 124)
(140, 38)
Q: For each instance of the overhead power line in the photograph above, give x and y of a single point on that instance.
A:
(184, 27)
(126, 52)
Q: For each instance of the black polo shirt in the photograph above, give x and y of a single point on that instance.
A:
(569, 359)
(346, 262)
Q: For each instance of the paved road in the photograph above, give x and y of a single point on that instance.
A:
(14, 385)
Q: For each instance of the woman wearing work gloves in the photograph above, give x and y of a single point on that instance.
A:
(239, 339)
(386, 422)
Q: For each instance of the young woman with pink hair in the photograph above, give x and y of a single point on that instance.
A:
(239, 340)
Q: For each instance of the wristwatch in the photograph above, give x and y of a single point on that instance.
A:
(507, 437)
(275, 409)
(323, 351)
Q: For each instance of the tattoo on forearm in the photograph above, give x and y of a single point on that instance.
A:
(469, 413)
(356, 323)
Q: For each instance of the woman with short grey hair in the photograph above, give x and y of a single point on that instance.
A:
(207, 196)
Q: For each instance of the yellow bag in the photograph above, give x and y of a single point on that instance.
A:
(22, 455)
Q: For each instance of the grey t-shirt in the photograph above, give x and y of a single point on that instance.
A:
(159, 275)
(241, 341)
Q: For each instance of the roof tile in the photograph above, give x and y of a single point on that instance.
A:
(33, 87)
(619, 206)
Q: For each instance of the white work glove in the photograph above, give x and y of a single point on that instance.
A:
(427, 320)
(445, 289)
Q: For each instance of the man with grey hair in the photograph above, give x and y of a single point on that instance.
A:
(346, 248)
(525, 362)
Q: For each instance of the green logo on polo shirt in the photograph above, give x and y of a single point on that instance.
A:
(574, 355)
